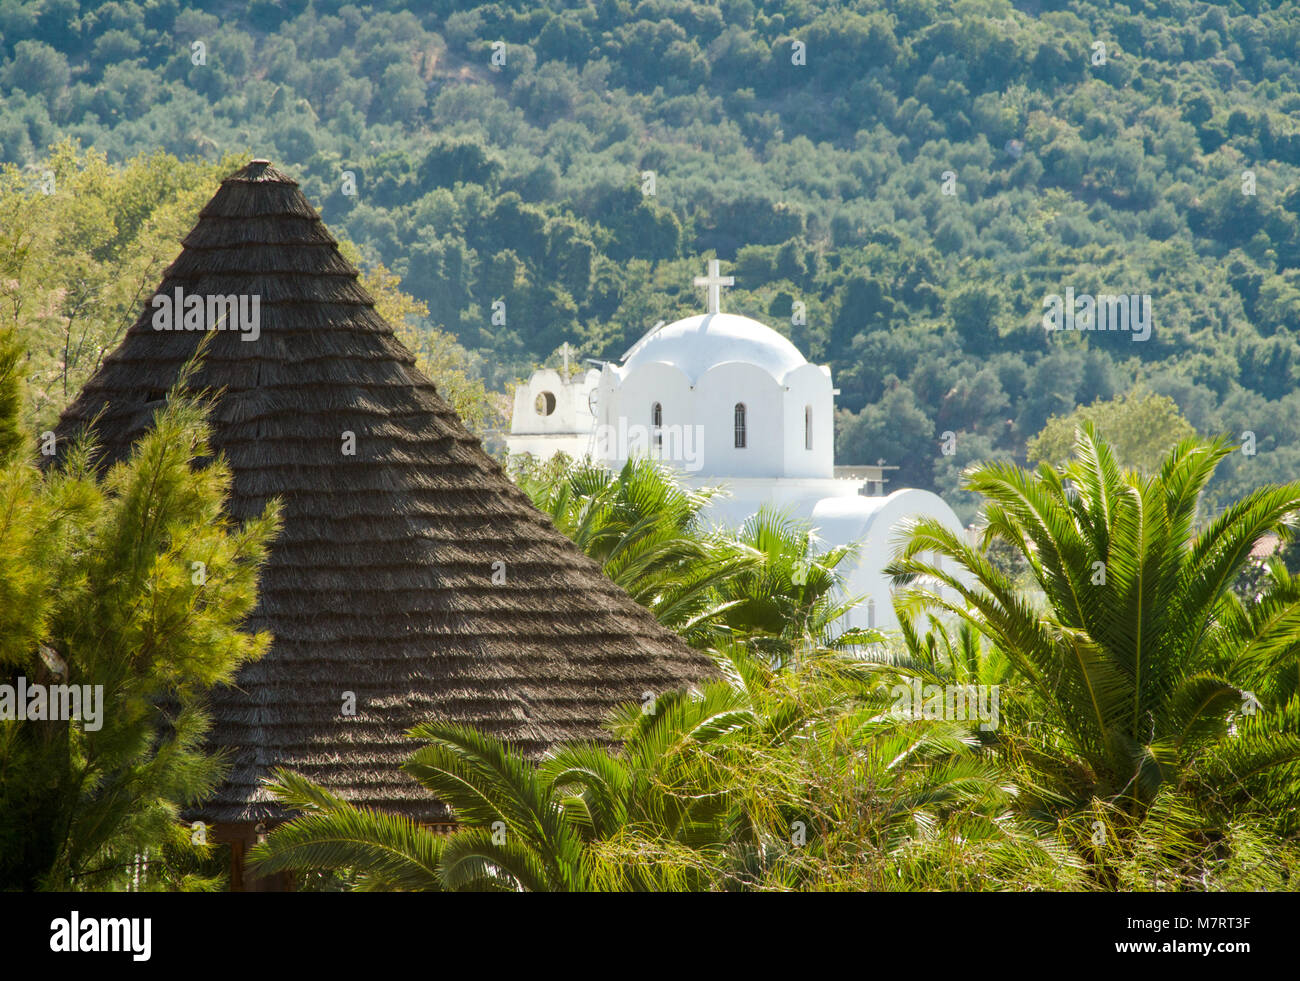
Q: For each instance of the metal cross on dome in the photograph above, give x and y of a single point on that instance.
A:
(715, 281)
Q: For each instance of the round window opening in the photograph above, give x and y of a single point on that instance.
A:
(545, 403)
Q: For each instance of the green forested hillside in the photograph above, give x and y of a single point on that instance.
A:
(1097, 146)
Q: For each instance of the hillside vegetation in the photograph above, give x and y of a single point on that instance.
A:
(1093, 146)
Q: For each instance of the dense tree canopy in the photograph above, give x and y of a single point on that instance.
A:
(899, 185)
(77, 264)
(1142, 429)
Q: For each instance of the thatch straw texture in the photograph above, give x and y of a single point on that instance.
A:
(381, 582)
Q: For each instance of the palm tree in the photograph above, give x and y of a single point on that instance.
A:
(769, 583)
(790, 597)
(645, 531)
(1149, 673)
(881, 800)
(525, 825)
(704, 794)
(384, 852)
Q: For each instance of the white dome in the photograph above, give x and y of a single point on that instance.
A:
(698, 343)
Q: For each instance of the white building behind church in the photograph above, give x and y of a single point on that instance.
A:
(728, 400)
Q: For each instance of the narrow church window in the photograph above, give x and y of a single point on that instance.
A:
(807, 427)
(657, 424)
(740, 425)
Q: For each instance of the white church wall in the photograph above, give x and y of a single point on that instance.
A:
(566, 401)
(809, 387)
(745, 495)
(839, 515)
(717, 392)
(877, 525)
(624, 411)
(543, 446)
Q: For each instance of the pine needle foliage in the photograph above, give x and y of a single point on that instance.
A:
(135, 581)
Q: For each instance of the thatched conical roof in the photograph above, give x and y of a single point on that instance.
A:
(381, 581)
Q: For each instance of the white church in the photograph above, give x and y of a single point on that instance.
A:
(727, 400)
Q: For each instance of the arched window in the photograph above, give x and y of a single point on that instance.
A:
(740, 425)
(657, 425)
(807, 427)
